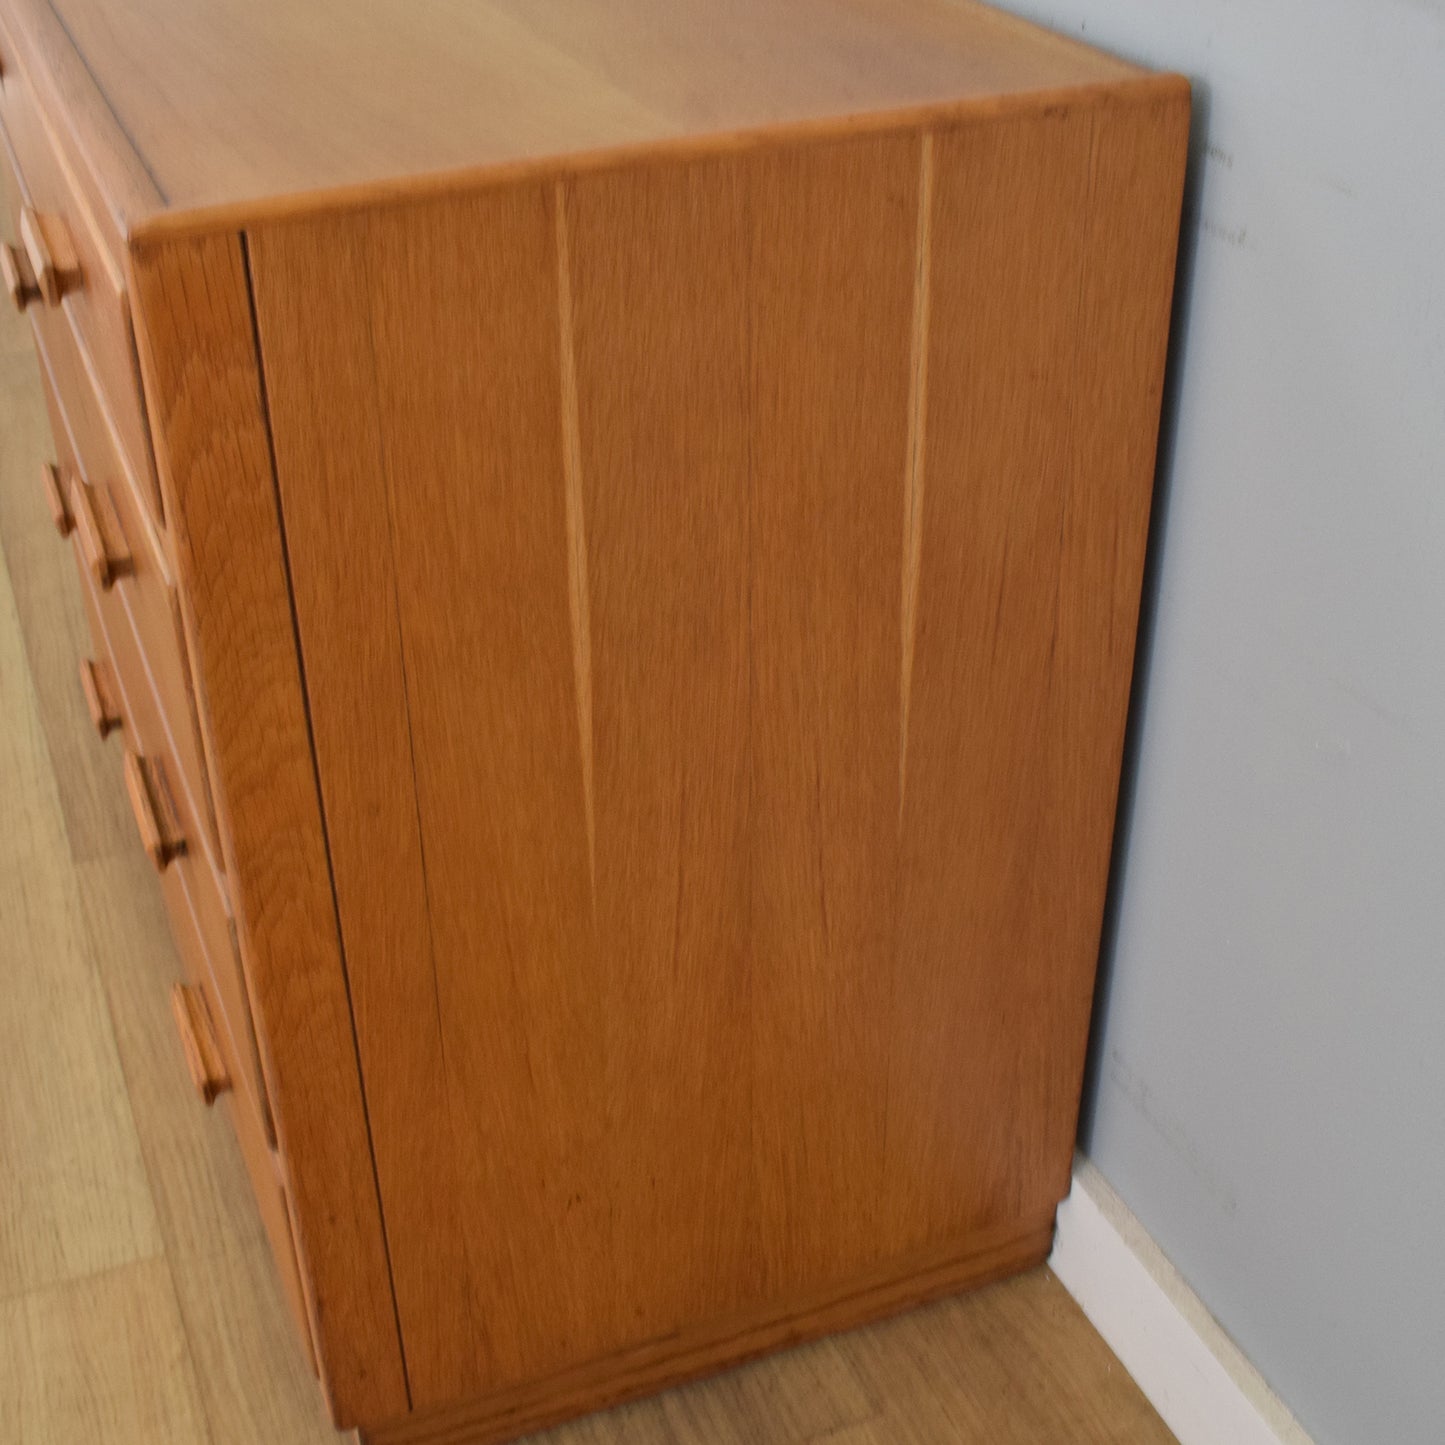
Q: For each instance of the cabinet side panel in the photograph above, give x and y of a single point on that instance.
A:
(715, 583)
(197, 344)
(1054, 248)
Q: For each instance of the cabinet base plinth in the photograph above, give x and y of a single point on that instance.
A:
(707, 1348)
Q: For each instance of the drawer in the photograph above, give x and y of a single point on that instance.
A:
(266, 1184)
(87, 281)
(119, 544)
(55, 477)
(194, 894)
(120, 697)
(194, 1009)
(206, 946)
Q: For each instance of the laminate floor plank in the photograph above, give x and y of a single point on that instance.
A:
(98, 1359)
(74, 1199)
(1014, 1364)
(810, 1390)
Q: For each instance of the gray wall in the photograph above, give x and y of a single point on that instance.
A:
(1269, 1071)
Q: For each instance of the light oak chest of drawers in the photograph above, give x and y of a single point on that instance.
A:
(612, 538)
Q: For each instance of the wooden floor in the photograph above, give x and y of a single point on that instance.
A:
(137, 1302)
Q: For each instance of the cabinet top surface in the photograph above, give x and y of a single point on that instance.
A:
(239, 103)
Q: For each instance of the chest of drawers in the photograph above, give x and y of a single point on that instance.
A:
(612, 541)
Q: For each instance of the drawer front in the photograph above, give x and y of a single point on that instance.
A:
(194, 894)
(203, 931)
(66, 464)
(195, 899)
(262, 1166)
(93, 292)
(270, 1192)
(141, 578)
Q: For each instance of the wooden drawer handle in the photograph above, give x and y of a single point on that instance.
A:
(97, 682)
(94, 520)
(19, 281)
(198, 1042)
(55, 499)
(53, 260)
(155, 815)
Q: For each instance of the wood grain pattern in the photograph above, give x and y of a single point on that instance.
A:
(1004, 295)
(832, 276)
(661, 398)
(203, 388)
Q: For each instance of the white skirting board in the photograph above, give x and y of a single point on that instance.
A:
(1192, 1373)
